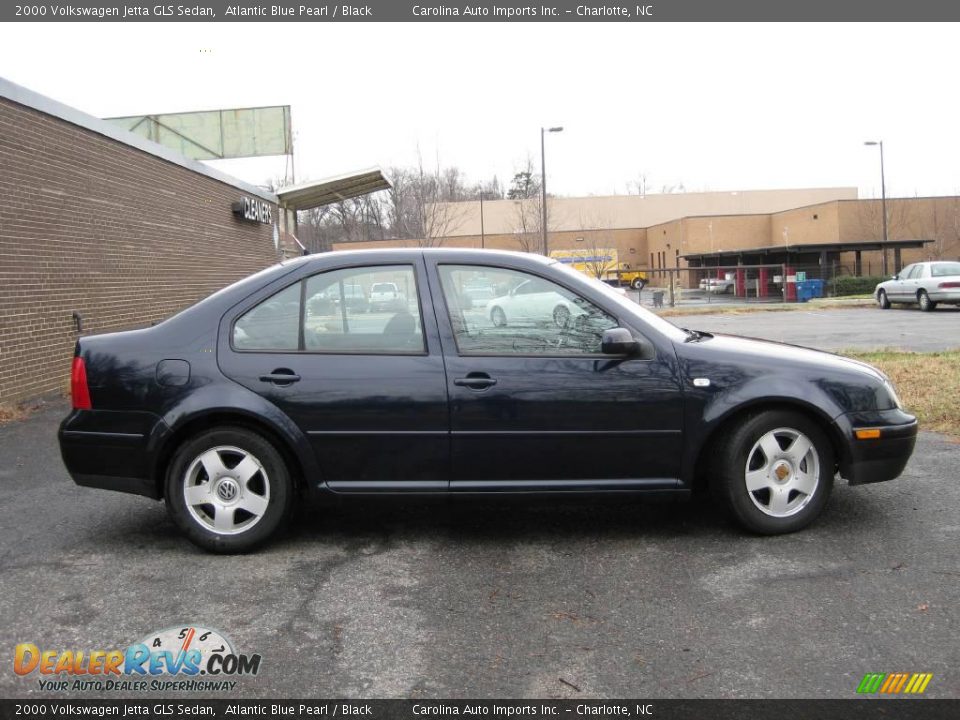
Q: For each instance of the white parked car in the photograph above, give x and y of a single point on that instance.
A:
(717, 286)
(533, 301)
(385, 296)
(924, 284)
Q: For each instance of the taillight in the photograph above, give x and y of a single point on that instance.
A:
(951, 284)
(78, 385)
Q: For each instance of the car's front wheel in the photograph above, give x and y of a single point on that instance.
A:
(498, 317)
(637, 284)
(774, 472)
(228, 489)
(882, 300)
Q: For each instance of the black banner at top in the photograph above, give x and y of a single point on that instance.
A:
(482, 11)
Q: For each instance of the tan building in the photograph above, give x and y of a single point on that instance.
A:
(803, 227)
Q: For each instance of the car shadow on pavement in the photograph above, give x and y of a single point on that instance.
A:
(482, 521)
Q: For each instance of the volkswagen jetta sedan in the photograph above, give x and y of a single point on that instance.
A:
(256, 398)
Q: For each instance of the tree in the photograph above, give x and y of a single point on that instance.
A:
(525, 184)
(527, 220)
(423, 205)
(596, 248)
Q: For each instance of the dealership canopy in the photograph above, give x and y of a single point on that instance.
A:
(331, 190)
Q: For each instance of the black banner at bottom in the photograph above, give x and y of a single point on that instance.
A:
(637, 709)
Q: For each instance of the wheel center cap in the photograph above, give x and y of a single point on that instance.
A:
(227, 490)
(782, 471)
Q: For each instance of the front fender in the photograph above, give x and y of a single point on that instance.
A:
(710, 408)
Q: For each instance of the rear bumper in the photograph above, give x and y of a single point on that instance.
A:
(880, 458)
(110, 450)
(950, 296)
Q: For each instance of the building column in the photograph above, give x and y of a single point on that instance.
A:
(897, 264)
(857, 263)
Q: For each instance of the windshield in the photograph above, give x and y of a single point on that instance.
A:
(628, 306)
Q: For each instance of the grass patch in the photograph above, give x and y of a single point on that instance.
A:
(10, 413)
(928, 384)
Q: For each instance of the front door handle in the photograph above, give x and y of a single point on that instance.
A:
(476, 381)
(281, 376)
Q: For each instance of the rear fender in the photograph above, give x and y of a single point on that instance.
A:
(221, 403)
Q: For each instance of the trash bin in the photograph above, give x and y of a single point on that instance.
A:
(808, 289)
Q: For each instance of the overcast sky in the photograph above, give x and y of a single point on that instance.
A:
(714, 106)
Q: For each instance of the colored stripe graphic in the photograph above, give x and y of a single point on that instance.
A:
(894, 683)
(871, 682)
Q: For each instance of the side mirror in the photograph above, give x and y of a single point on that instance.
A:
(619, 341)
(895, 277)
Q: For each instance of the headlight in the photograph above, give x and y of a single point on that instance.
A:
(893, 393)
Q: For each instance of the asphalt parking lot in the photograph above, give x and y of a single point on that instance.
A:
(898, 328)
(489, 599)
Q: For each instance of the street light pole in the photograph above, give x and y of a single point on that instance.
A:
(883, 202)
(481, 218)
(543, 187)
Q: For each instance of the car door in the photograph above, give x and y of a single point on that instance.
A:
(537, 406)
(901, 287)
(367, 388)
(919, 280)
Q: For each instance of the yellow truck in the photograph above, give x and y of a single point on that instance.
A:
(602, 264)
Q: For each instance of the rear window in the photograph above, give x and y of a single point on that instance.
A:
(945, 269)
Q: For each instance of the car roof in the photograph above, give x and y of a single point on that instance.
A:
(438, 252)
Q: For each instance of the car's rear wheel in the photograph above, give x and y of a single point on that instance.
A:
(498, 317)
(882, 300)
(228, 489)
(774, 472)
(926, 304)
(637, 284)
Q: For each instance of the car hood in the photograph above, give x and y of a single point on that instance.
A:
(784, 353)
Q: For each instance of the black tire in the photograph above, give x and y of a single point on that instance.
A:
(729, 472)
(271, 483)
(882, 300)
(498, 317)
(926, 304)
(637, 284)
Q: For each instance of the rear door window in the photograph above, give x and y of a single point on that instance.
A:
(339, 317)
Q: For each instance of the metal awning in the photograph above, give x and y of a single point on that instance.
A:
(325, 192)
(810, 248)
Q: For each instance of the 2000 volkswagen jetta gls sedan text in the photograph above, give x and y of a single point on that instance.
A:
(279, 388)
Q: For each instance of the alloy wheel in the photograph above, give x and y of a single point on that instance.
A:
(782, 472)
(226, 490)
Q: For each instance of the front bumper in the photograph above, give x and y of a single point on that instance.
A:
(884, 448)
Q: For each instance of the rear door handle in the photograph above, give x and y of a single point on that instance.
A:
(476, 381)
(281, 376)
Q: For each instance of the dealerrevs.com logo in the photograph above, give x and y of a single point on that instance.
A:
(191, 658)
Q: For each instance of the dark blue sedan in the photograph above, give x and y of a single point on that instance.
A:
(281, 387)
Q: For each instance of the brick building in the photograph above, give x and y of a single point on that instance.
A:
(102, 230)
(809, 227)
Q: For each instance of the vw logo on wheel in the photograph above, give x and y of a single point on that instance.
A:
(227, 490)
